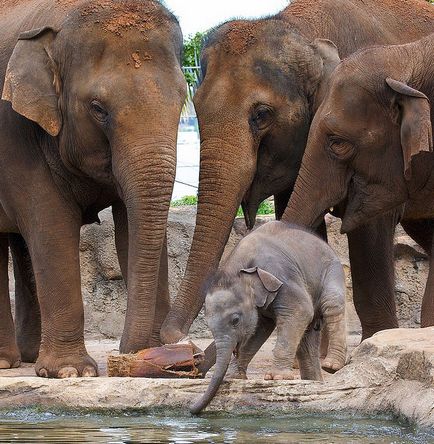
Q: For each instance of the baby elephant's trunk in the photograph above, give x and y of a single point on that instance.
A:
(224, 354)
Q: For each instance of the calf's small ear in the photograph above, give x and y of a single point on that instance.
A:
(415, 121)
(31, 81)
(269, 286)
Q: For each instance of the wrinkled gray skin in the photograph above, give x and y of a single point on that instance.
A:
(278, 276)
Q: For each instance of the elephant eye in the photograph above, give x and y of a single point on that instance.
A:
(236, 319)
(341, 149)
(262, 117)
(98, 111)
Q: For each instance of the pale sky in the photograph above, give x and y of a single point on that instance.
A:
(200, 15)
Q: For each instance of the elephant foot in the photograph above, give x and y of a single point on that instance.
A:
(278, 374)
(236, 375)
(9, 358)
(331, 364)
(234, 372)
(73, 366)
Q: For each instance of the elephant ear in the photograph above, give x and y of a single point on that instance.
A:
(329, 55)
(266, 292)
(31, 80)
(415, 121)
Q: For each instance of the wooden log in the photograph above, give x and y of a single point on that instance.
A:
(168, 361)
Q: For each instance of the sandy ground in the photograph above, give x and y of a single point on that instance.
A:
(100, 349)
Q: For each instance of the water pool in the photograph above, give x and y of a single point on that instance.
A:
(31, 427)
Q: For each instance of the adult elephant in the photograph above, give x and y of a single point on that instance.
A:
(92, 94)
(370, 119)
(262, 83)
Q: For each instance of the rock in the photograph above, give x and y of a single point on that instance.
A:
(391, 373)
(104, 290)
(409, 352)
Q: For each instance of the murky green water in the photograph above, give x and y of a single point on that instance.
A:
(49, 428)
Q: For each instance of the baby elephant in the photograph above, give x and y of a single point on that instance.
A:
(278, 276)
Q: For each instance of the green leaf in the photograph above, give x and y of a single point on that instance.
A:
(183, 201)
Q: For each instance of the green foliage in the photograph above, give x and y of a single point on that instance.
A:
(266, 207)
(192, 47)
(185, 200)
(191, 57)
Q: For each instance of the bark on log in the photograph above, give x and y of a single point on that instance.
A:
(168, 361)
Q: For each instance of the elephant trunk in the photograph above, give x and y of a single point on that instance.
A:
(145, 171)
(224, 354)
(321, 184)
(222, 184)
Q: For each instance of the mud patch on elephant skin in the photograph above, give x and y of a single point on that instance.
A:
(137, 58)
(239, 38)
(119, 17)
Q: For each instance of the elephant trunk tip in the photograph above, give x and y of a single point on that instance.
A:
(170, 334)
(197, 407)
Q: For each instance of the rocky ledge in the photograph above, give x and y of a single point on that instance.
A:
(392, 372)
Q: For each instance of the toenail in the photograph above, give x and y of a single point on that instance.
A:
(67, 372)
(4, 364)
(88, 372)
(43, 373)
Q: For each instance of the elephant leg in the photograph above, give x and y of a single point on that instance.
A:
(9, 352)
(120, 218)
(238, 366)
(163, 299)
(27, 313)
(422, 231)
(54, 250)
(292, 320)
(372, 271)
(281, 202)
(332, 303)
(427, 311)
(308, 354)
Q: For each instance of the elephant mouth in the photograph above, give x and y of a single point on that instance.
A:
(236, 351)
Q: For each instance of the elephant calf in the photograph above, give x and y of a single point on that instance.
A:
(278, 276)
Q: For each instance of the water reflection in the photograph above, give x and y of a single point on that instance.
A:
(47, 428)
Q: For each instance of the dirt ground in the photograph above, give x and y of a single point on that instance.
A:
(100, 349)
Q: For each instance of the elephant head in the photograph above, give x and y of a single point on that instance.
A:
(261, 83)
(364, 140)
(231, 310)
(106, 88)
